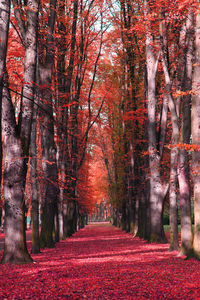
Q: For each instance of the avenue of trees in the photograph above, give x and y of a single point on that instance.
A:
(99, 100)
(153, 120)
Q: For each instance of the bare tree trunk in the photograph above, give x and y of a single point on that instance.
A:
(174, 138)
(63, 99)
(29, 77)
(34, 186)
(16, 146)
(132, 201)
(4, 25)
(196, 139)
(183, 166)
(174, 160)
(173, 209)
(49, 163)
(15, 250)
(67, 163)
(61, 167)
(157, 189)
(4, 22)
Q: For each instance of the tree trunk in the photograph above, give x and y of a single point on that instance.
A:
(29, 77)
(131, 195)
(15, 168)
(73, 127)
(34, 185)
(196, 140)
(16, 146)
(56, 232)
(173, 162)
(184, 169)
(157, 189)
(62, 131)
(174, 139)
(49, 163)
(71, 218)
(61, 167)
(65, 219)
(50, 172)
(4, 25)
(173, 209)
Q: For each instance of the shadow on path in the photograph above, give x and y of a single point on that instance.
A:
(102, 262)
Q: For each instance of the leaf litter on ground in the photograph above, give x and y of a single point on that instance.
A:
(102, 262)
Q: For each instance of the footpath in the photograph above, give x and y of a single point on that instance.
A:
(102, 262)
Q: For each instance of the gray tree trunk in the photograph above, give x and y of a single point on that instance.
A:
(196, 139)
(16, 146)
(4, 25)
(183, 166)
(62, 131)
(174, 155)
(49, 163)
(157, 189)
(34, 186)
(15, 250)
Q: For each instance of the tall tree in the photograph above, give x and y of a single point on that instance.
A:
(35, 247)
(196, 139)
(70, 206)
(16, 145)
(175, 138)
(4, 22)
(157, 188)
(49, 163)
(62, 114)
(183, 165)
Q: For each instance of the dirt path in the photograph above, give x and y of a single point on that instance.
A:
(102, 262)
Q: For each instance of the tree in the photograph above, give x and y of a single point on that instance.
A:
(196, 140)
(157, 189)
(16, 139)
(49, 163)
(185, 135)
(4, 21)
(35, 247)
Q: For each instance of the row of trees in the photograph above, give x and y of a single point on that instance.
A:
(63, 102)
(49, 53)
(154, 70)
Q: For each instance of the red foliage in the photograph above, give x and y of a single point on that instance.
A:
(102, 262)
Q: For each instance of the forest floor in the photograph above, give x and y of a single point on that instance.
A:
(102, 262)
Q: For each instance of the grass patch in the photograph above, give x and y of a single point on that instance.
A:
(167, 228)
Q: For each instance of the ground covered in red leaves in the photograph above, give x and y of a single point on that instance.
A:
(102, 262)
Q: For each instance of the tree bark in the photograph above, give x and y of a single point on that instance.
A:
(183, 165)
(16, 146)
(174, 156)
(62, 131)
(15, 168)
(34, 184)
(4, 25)
(26, 113)
(157, 189)
(196, 140)
(49, 163)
